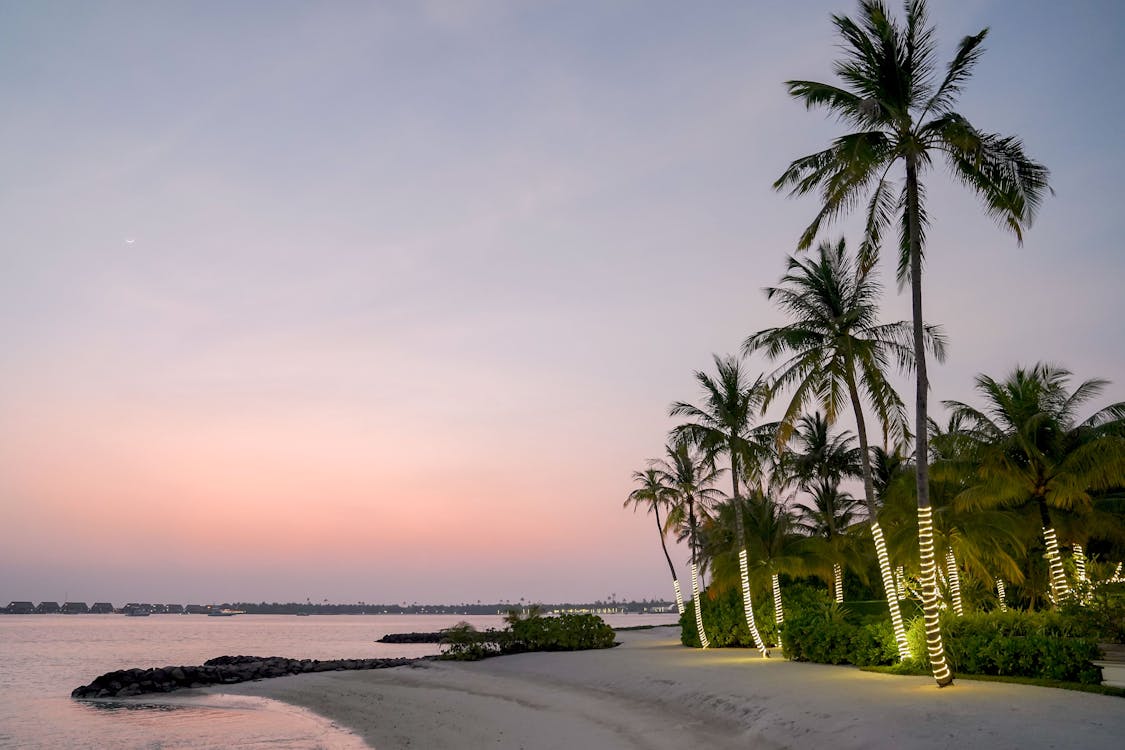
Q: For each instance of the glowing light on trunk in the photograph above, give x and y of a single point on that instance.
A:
(679, 596)
(698, 607)
(1080, 562)
(890, 588)
(900, 579)
(778, 613)
(954, 582)
(1002, 594)
(838, 582)
(1059, 589)
(934, 647)
(748, 604)
(1116, 577)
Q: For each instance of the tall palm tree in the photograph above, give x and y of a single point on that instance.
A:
(652, 493)
(1035, 450)
(902, 110)
(690, 476)
(835, 349)
(723, 425)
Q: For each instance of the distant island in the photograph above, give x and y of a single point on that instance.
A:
(645, 606)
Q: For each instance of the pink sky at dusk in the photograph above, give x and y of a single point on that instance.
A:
(413, 285)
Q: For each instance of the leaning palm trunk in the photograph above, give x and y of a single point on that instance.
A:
(954, 582)
(1060, 591)
(900, 581)
(698, 606)
(778, 612)
(837, 583)
(743, 566)
(889, 587)
(1080, 563)
(1002, 594)
(679, 596)
(934, 647)
(748, 603)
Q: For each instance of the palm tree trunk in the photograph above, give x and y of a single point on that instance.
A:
(664, 546)
(889, 588)
(698, 606)
(743, 566)
(954, 582)
(1059, 589)
(778, 612)
(935, 650)
(1002, 594)
(1080, 563)
(900, 581)
(837, 582)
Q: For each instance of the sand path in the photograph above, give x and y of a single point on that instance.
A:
(652, 693)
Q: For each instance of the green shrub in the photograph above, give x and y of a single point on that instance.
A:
(827, 634)
(562, 633)
(1046, 645)
(725, 623)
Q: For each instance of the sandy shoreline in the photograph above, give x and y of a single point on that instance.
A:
(652, 693)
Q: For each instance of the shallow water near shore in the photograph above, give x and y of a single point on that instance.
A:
(44, 657)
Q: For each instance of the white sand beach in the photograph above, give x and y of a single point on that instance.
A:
(650, 692)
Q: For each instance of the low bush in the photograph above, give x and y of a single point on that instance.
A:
(828, 635)
(1047, 645)
(725, 623)
(535, 632)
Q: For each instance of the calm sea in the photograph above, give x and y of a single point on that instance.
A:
(44, 657)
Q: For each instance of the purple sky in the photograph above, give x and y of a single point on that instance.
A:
(386, 301)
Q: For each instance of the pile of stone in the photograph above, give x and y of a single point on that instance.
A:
(412, 638)
(223, 670)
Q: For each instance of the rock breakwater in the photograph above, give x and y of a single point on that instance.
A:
(223, 670)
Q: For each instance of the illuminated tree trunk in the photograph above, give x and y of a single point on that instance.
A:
(1002, 594)
(778, 612)
(679, 596)
(748, 604)
(1080, 562)
(698, 606)
(934, 648)
(881, 555)
(954, 582)
(837, 582)
(900, 581)
(1116, 574)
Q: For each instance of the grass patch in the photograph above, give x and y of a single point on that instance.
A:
(904, 669)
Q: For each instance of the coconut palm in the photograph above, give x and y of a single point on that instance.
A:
(835, 349)
(690, 477)
(774, 544)
(902, 110)
(723, 425)
(652, 493)
(1034, 449)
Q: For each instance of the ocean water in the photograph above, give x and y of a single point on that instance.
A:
(44, 657)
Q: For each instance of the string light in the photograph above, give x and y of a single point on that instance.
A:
(679, 596)
(890, 588)
(778, 613)
(748, 603)
(1080, 562)
(954, 582)
(1116, 577)
(1002, 594)
(698, 608)
(1059, 589)
(838, 582)
(934, 647)
(900, 576)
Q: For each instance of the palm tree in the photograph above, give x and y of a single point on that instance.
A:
(888, 94)
(1034, 450)
(723, 425)
(690, 477)
(653, 493)
(827, 516)
(834, 346)
(774, 543)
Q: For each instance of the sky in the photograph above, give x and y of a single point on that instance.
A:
(386, 301)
